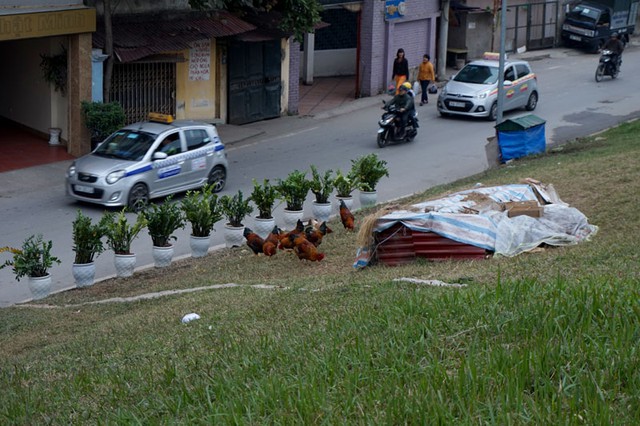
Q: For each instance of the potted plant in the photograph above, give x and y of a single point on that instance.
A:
(120, 234)
(345, 184)
(322, 187)
(235, 208)
(293, 190)
(102, 119)
(264, 196)
(33, 261)
(202, 210)
(163, 220)
(368, 170)
(87, 244)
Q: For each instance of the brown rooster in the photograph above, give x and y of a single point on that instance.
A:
(270, 245)
(254, 241)
(286, 238)
(314, 235)
(347, 218)
(306, 250)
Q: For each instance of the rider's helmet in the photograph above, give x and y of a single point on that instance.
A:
(614, 35)
(407, 85)
(402, 88)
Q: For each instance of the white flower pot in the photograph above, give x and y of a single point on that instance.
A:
(199, 246)
(125, 264)
(368, 198)
(290, 218)
(84, 273)
(54, 136)
(233, 235)
(263, 227)
(348, 201)
(162, 256)
(321, 211)
(40, 286)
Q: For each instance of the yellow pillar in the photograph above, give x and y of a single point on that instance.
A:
(79, 89)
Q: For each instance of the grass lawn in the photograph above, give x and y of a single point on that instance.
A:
(548, 337)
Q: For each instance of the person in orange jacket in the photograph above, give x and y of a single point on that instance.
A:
(425, 75)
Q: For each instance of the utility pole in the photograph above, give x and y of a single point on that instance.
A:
(503, 34)
(442, 46)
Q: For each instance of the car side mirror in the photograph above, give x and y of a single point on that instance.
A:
(159, 155)
(508, 83)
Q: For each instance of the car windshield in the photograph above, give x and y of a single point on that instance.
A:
(584, 13)
(477, 74)
(128, 145)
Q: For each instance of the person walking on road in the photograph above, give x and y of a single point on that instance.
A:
(400, 69)
(426, 75)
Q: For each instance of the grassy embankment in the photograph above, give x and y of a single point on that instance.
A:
(549, 337)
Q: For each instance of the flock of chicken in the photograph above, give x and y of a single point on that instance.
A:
(303, 240)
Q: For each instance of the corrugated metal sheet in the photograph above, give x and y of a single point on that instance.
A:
(400, 245)
(136, 40)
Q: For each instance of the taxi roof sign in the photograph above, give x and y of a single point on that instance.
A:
(160, 118)
(492, 56)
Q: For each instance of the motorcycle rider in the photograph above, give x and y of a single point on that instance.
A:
(615, 45)
(404, 105)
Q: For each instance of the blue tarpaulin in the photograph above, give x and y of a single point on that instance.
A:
(519, 137)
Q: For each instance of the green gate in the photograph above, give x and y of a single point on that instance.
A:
(254, 79)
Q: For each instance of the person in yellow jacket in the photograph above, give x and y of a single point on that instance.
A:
(425, 75)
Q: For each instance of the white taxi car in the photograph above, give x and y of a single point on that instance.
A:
(474, 89)
(147, 160)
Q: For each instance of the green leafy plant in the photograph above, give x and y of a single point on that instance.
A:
(235, 208)
(87, 238)
(202, 210)
(368, 170)
(163, 220)
(321, 185)
(345, 184)
(294, 189)
(54, 70)
(120, 233)
(34, 258)
(102, 119)
(264, 197)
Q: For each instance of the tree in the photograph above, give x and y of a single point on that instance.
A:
(298, 16)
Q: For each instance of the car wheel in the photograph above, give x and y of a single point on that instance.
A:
(217, 178)
(138, 197)
(532, 102)
(599, 73)
(383, 139)
(493, 112)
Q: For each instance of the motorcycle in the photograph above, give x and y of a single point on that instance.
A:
(390, 126)
(607, 65)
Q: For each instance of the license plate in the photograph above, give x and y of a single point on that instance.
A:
(85, 189)
(575, 37)
(456, 104)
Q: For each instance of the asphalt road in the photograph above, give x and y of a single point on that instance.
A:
(573, 104)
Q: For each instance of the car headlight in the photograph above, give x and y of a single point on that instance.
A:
(113, 177)
(482, 95)
(71, 171)
(443, 91)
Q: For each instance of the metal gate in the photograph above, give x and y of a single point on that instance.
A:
(255, 83)
(533, 25)
(144, 87)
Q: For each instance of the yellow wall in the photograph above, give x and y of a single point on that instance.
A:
(285, 45)
(195, 94)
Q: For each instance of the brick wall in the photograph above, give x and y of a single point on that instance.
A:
(415, 32)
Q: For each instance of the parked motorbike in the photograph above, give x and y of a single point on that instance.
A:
(389, 131)
(607, 65)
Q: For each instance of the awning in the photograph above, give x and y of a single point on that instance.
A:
(134, 39)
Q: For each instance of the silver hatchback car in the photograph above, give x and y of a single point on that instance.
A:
(474, 90)
(147, 160)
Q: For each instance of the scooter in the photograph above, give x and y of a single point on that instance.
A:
(607, 65)
(390, 127)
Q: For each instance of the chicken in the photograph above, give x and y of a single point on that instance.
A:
(305, 250)
(254, 241)
(285, 241)
(315, 234)
(270, 245)
(347, 218)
